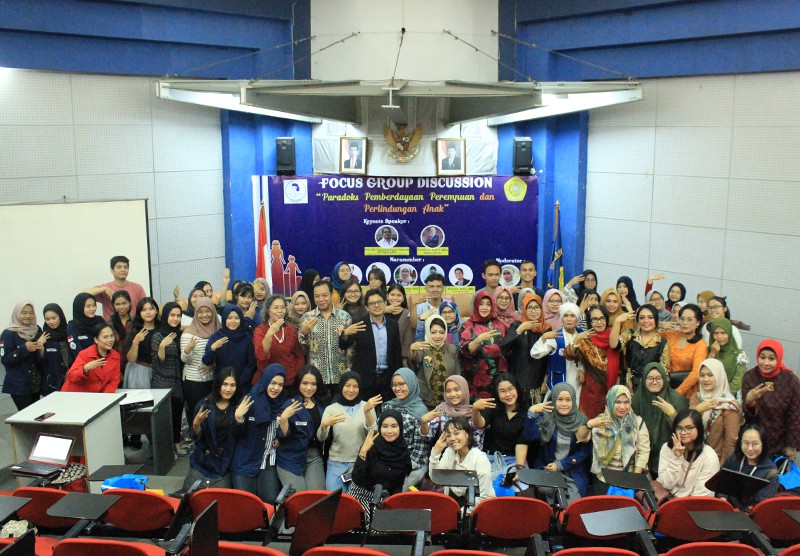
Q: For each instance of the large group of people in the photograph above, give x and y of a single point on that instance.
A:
(340, 387)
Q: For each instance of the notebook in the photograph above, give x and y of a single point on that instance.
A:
(49, 456)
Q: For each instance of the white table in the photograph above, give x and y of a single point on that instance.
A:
(92, 419)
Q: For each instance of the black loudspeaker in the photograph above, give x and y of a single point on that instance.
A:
(284, 154)
(523, 157)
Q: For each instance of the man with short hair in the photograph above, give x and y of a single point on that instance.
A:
(320, 329)
(386, 240)
(354, 161)
(460, 279)
(120, 266)
(434, 287)
(491, 275)
(377, 353)
(527, 274)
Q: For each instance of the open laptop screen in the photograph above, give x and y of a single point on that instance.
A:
(51, 448)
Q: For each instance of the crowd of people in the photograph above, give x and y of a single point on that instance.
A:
(338, 387)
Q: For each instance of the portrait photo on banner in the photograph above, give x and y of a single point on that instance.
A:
(353, 155)
(451, 155)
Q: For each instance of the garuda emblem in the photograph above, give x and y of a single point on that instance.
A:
(403, 144)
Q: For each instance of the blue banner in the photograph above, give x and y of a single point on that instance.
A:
(407, 227)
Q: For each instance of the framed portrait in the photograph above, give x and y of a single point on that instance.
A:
(353, 155)
(451, 157)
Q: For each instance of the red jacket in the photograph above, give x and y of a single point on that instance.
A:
(103, 379)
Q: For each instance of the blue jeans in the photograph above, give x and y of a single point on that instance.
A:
(265, 485)
(335, 469)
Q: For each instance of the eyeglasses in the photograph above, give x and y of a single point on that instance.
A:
(376, 303)
(505, 391)
(680, 430)
(356, 292)
(715, 306)
(398, 385)
(655, 379)
(598, 319)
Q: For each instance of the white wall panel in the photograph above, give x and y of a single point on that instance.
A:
(693, 151)
(189, 193)
(619, 196)
(768, 153)
(38, 190)
(608, 274)
(767, 99)
(187, 275)
(617, 241)
(117, 149)
(694, 250)
(694, 284)
(21, 98)
(758, 205)
(168, 113)
(766, 259)
(685, 102)
(36, 151)
(684, 200)
(623, 150)
(190, 238)
(97, 100)
(631, 114)
(178, 147)
(119, 186)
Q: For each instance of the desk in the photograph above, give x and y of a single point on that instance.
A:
(614, 522)
(80, 505)
(92, 419)
(794, 514)
(156, 423)
(724, 521)
(9, 506)
(401, 521)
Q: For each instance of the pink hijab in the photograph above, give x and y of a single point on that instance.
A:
(553, 318)
(462, 409)
(509, 315)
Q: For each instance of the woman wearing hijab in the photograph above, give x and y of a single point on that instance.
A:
(57, 355)
(655, 299)
(551, 303)
(455, 404)
(383, 459)
(188, 313)
(657, 404)
(589, 282)
(21, 352)
(626, 291)
(588, 298)
(436, 360)
(725, 348)
(409, 405)
(504, 305)
(480, 346)
(449, 311)
(675, 294)
(517, 344)
(687, 350)
(599, 362)
(348, 418)
(620, 439)
(310, 277)
(553, 343)
(721, 412)
(197, 377)
(298, 306)
(771, 394)
(341, 273)
(612, 303)
(84, 319)
(703, 299)
(553, 425)
(232, 346)
(253, 465)
(168, 367)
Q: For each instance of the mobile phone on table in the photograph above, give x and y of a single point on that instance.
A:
(44, 416)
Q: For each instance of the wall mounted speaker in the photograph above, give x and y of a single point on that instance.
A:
(284, 154)
(523, 157)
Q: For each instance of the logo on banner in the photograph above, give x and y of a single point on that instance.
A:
(403, 144)
(515, 189)
(295, 192)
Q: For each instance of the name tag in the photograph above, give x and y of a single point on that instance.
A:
(251, 418)
(51, 350)
(301, 423)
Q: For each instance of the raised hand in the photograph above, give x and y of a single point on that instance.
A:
(168, 339)
(441, 442)
(291, 409)
(484, 403)
(275, 327)
(542, 407)
(663, 405)
(488, 335)
(333, 419)
(201, 416)
(94, 364)
(140, 336)
(244, 407)
(219, 343)
(372, 402)
(432, 414)
(677, 448)
(176, 293)
(369, 441)
(190, 345)
(308, 326)
(355, 328)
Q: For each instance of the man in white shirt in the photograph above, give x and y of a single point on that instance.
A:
(386, 240)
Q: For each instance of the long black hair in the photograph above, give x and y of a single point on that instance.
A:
(522, 398)
(739, 453)
(138, 323)
(116, 322)
(697, 421)
(322, 395)
(401, 289)
(215, 395)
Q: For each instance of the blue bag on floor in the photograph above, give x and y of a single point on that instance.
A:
(129, 480)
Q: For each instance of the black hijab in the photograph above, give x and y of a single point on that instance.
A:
(81, 322)
(668, 302)
(165, 328)
(56, 334)
(394, 454)
(339, 397)
(580, 286)
(631, 292)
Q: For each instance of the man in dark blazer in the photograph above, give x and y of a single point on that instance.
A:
(452, 161)
(377, 347)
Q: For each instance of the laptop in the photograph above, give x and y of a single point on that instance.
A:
(49, 456)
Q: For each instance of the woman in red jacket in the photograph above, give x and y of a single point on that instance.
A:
(96, 369)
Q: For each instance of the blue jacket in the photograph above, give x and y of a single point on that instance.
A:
(293, 447)
(238, 354)
(23, 367)
(250, 446)
(209, 457)
(78, 341)
(575, 465)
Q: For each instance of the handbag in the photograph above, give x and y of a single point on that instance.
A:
(789, 477)
(676, 378)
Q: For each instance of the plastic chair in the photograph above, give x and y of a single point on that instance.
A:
(340, 550)
(774, 523)
(792, 551)
(511, 518)
(43, 545)
(444, 510)
(104, 547)
(713, 549)
(571, 517)
(594, 550)
(139, 511)
(238, 511)
(673, 520)
(35, 511)
(240, 549)
(349, 516)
